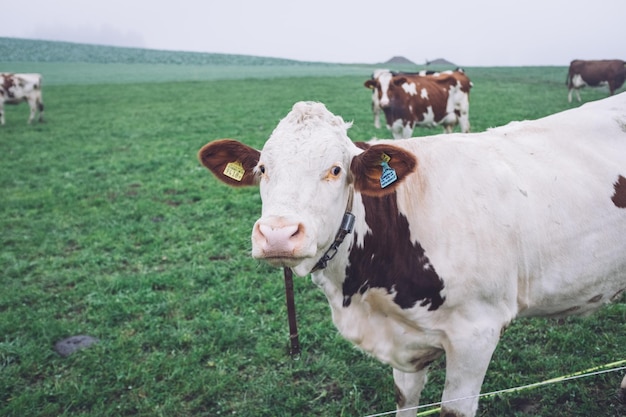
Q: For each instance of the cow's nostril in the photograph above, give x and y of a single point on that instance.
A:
(298, 231)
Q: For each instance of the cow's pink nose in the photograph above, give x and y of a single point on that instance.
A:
(278, 241)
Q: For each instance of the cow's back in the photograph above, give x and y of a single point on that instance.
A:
(531, 214)
(594, 73)
(433, 95)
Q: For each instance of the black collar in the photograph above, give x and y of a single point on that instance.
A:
(347, 224)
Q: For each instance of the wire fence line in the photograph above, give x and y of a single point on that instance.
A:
(602, 369)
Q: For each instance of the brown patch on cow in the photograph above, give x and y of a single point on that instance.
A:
(595, 299)
(619, 196)
(8, 82)
(390, 260)
(425, 360)
(400, 398)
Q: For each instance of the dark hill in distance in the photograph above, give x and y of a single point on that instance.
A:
(439, 61)
(399, 60)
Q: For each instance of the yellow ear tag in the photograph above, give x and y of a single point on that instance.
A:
(234, 170)
(385, 158)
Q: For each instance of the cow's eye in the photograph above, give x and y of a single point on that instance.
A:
(333, 173)
(262, 169)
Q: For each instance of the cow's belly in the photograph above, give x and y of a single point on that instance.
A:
(552, 301)
(378, 326)
(427, 119)
(579, 82)
(14, 101)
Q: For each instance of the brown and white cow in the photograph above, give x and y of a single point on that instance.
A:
(375, 100)
(15, 88)
(372, 85)
(453, 237)
(417, 99)
(595, 73)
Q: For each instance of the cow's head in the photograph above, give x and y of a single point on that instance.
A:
(381, 84)
(305, 172)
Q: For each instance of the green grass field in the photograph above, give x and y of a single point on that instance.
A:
(110, 227)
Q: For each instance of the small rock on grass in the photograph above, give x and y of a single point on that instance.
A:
(70, 345)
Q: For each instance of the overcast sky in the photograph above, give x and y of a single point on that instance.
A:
(465, 32)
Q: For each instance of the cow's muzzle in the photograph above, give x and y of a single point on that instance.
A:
(279, 242)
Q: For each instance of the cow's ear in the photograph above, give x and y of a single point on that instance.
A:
(369, 167)
(231, 161)
(371, 84)
(399, 80)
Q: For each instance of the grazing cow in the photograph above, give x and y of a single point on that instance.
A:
(418, 99)
(452, 237)
(595, 73)
(375, 100)
(15, 88)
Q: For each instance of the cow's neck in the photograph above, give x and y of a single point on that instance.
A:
(346, 227)
(382, 255)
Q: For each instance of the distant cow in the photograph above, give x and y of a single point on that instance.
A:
(409, 100)
(431, 246)
(15, 88)
(375, 100)
(595, 73)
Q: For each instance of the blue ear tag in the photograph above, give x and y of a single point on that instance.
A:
(389, 175)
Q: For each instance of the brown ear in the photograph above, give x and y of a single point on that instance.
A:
(367, 168)
(371, 84)
(231, 162)
(399, 80)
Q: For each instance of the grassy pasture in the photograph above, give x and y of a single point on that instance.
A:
(111, 228)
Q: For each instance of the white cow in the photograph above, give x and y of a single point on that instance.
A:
(453, 236)
(15, 88)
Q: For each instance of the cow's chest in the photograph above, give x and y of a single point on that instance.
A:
(378, 326)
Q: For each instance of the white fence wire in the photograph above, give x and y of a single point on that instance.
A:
(602, 369)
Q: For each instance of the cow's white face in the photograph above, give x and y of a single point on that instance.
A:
(304, 171)
(384, 81)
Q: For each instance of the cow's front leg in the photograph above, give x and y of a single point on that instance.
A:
(467, 358)
(33, 110)
(376, 113)
(409, 387)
